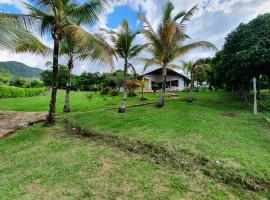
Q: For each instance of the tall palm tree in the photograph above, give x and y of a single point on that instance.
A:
(123, 46)
(58, 17)
(166, 44)
(191, 67)
(95, 49)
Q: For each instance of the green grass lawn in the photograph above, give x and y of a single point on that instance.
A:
(215, 127)
(79, 102)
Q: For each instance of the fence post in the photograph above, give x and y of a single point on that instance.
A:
(255, 106)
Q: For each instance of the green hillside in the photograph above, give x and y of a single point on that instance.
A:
(21, 70)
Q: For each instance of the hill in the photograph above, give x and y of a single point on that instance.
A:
(21, 70)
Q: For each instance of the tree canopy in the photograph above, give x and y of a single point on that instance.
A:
(246, 54)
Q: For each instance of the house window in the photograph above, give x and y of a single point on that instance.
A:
(174, 83)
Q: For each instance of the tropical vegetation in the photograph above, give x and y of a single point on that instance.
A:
(124, 47)
(166, 43)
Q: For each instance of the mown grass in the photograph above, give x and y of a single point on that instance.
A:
(48, 163)
(238, 142)
(215, 127)
(80, 101)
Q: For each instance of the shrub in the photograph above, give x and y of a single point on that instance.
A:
(105, 90)
(114, 92)
(95, 88)
(13, 92)
(89, 96)
(155, 87)
(131, 93)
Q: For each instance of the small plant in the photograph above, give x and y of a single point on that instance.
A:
(89, 96)
(131, 93)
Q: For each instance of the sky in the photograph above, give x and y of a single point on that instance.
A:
(212, 22)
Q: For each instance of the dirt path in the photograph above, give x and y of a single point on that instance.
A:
(11, 121)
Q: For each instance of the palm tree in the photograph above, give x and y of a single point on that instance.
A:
(15, 37)
(58, 17)
(124, 48)
(142, 84)
(166, 44)
(191, 67)
(95, 49)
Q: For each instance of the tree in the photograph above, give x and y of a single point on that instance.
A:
(245, 55)
(47, 77)
(191, 68)
(166, 44)
(59, 18)
(94, 49)
(124, 48)
(5, 76)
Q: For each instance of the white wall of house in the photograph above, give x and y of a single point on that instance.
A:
(158, 79)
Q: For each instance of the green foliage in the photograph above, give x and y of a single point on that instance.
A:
(13, 92)
(245, 54)
(114, 92)
(47, 75)
(5, 76)
(21, 70)
(105, 90)
(131, 92)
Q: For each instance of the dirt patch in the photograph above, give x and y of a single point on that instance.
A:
(10, 121)
(229, 115)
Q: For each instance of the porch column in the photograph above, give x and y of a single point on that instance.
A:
(149, 84)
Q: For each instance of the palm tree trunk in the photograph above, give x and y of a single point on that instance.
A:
(50, 119)
(163, 89)
(191, 90)
(67, 101)
(122, 108)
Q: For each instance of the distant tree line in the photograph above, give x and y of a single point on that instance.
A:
(86, 81)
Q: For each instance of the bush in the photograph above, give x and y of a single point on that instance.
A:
(114, 92)
(131, 93)
(95, 88)
(105, 90)
(155, 87)
(13, 92)
(89, 96)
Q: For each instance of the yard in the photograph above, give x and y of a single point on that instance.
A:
(213, 148)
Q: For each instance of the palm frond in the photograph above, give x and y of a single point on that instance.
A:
(30, 44)
(188, 15)
(182, 50)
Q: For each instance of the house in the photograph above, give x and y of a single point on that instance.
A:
(175, 80)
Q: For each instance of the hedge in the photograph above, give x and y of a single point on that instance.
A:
(13, 92)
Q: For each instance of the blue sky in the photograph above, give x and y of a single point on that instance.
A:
(214, 20)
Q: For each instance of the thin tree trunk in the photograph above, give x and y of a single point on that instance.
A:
(163, 89)
(50, 119)
(122, 108)
(190, 95)
(67, 101)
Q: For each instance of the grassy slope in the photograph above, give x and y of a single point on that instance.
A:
(47, 163)
(238, 143)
